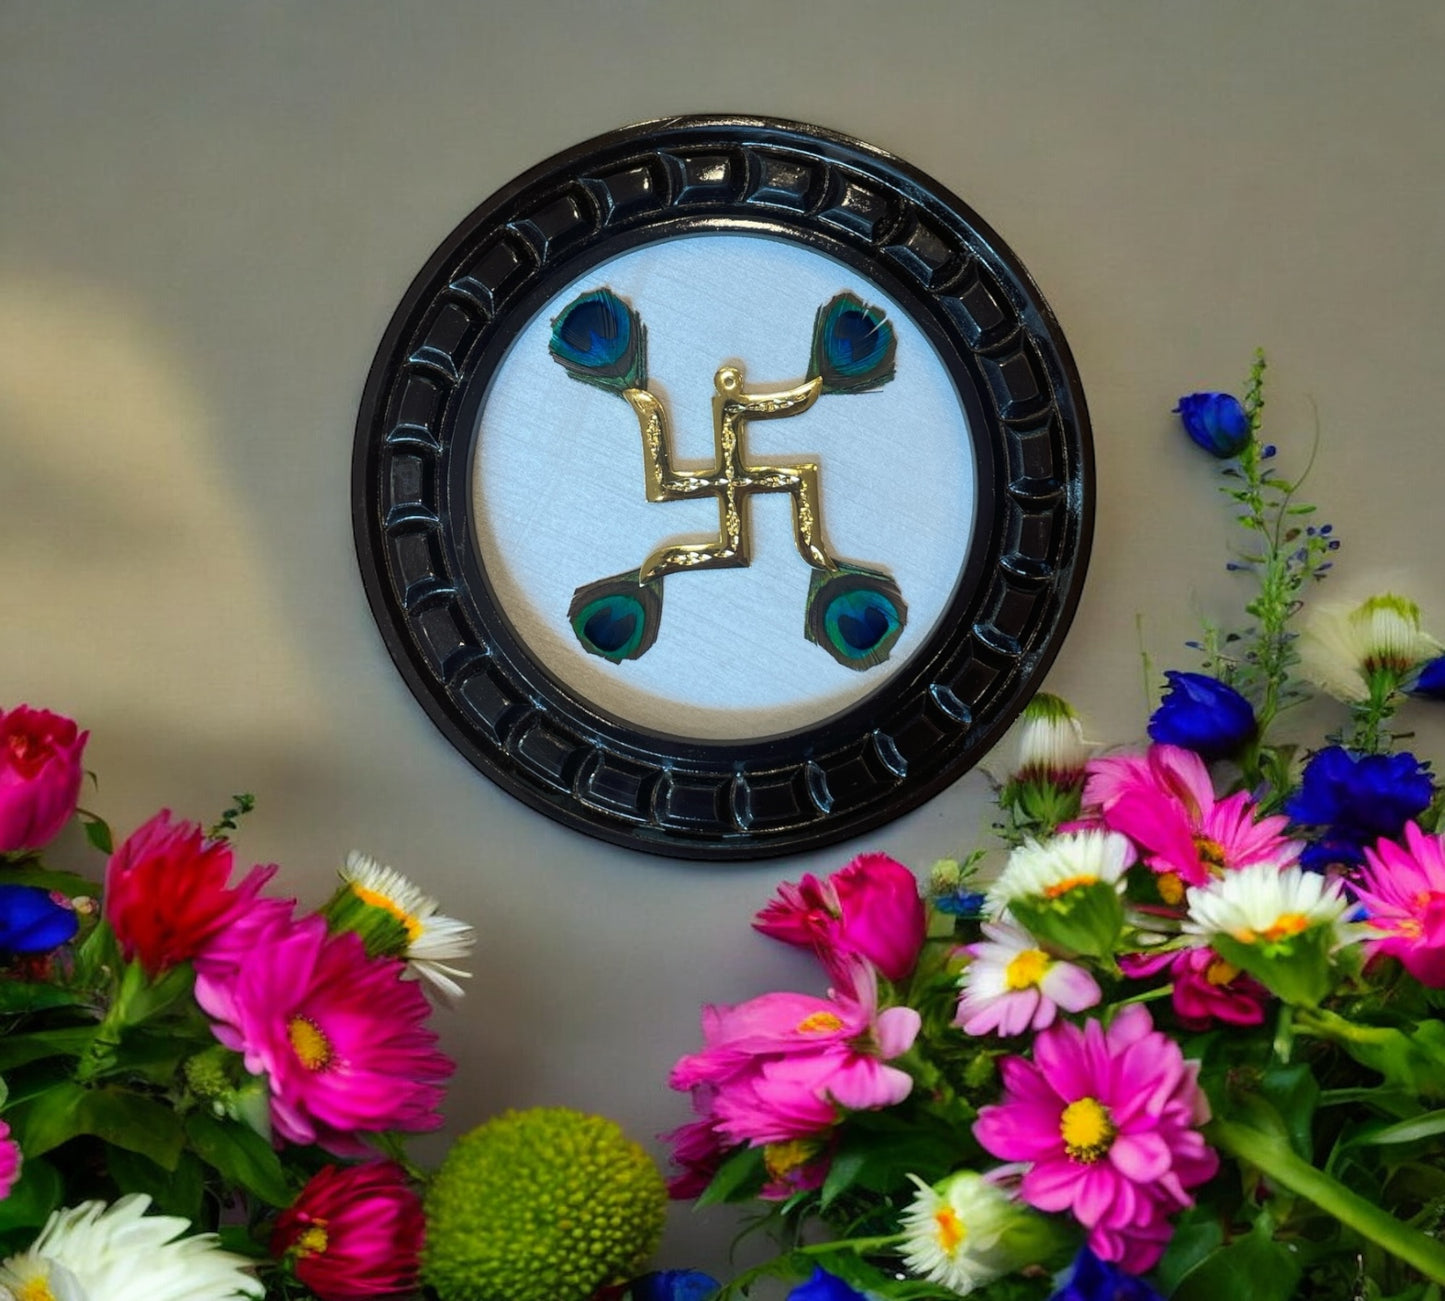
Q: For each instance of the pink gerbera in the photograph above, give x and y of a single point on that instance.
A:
(1403, 891)
(340, 1036)
(1108, 1124)
(1164, 802)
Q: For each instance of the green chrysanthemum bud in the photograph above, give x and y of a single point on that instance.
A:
(546, 1204)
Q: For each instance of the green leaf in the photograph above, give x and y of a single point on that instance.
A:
(97, 831)
(36, 1193)
(49, 1120)
(1294, 1093)
(240, 1155)
(21, 996)
(174, 1192)
(738, 1178)
(1255, 1266)
(139, 1124)
(1197, 1234)
(67, 883)
(843, 1172)
(1405, 1131)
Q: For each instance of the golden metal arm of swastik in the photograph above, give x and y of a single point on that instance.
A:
(731, 479)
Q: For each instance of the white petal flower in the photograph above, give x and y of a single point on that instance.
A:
(1343, 645)
(1012, 985)
(1049, 869)
(951, 1234)
(433, 939)
(1265, 903)
(1051, 742)
(93, 1252)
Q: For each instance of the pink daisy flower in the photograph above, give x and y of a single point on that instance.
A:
(1403, 891)
(1164, 802)
(1012, 985)
(1206, 987)
(1108, 1124)
(340, 1036)
(10, 1161)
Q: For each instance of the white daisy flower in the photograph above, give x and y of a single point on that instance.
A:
(432, 939)
(1050, 869)
(1051, 742)
(952, 1234)
(93, 1252)
(1343, 646)
(1264, 904)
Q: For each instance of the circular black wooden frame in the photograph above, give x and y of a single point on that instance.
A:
(413, 466)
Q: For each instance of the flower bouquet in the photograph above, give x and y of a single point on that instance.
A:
(1178, 1034)
(205, 1095)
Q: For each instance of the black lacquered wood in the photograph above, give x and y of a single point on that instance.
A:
(414, 462)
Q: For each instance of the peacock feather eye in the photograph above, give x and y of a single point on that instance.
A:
(617, 618)
(853, 346)
(600, 340)
(856, 615)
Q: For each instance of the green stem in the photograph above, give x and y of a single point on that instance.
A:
(1274, 1158)
(858, 1246)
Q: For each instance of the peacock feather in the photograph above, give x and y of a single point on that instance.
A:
(853, 346)
(617, 618)
(856, 615)
(600, 340)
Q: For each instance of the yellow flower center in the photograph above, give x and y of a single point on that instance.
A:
(820, 1023)
(311, 1046)
(1282, 928)
(1026, 969)
(781, 1159)
(1063, 887)
(951, 1230)
(1087, 1130)
(1211, 854)
(1171, 888)
(34, 1289)
(313, 1240)
(412, 925)
(1220, 972)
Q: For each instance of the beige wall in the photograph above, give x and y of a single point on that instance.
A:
(208, 211)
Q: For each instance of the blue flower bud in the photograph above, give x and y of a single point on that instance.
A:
(32, 922)
(1430, 681)
(824, 1286)
(1217, 422)
(1092, 1279)
(1201, 714)
(674, 1285)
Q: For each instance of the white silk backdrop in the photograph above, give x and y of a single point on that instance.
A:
(208, 213)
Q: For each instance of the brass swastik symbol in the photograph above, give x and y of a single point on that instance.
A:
(856, 614)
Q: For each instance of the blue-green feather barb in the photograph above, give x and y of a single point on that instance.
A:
(600, 340)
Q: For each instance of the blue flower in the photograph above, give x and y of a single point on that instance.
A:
(1093, 1279)
(1430, 681)
(674, 1285)
(1357, 799)
(1201, 714)
(824, 1286)
(32, 922)
(1217, 422)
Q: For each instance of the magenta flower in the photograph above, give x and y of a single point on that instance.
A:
(1012, 985)
(1206, 987)
(1164, 802)
(869, 909)
(1107, 1122)
(1403, 891)
(354, 1232)
(40, 776)
(778, 1072)
(341, 1037)
(10, 1161)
